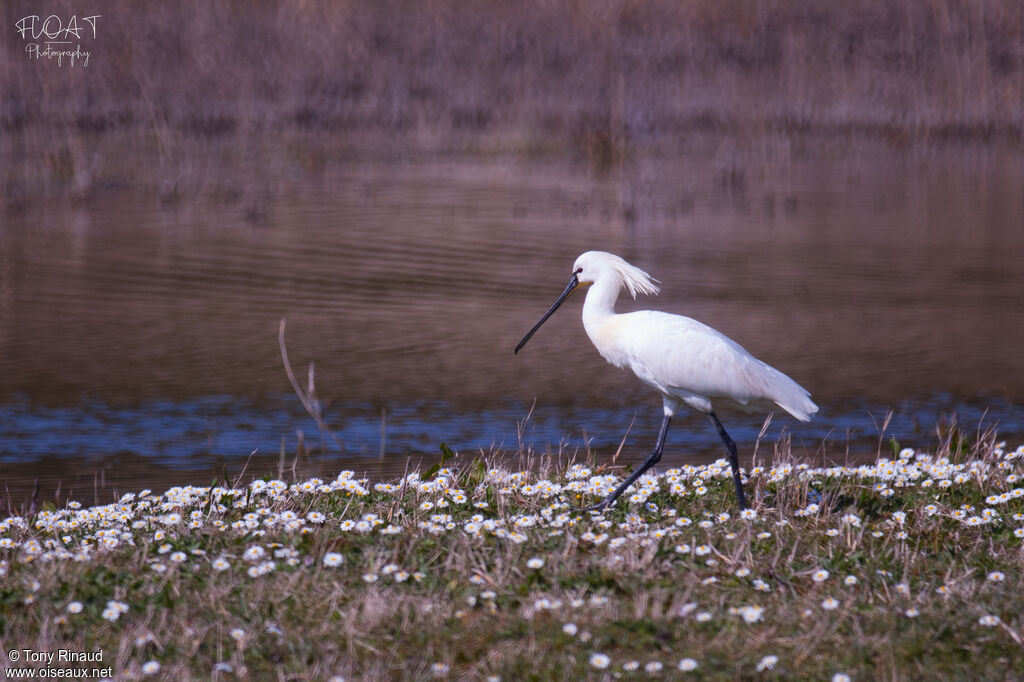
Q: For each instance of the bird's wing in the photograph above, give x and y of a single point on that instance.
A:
(676, 353)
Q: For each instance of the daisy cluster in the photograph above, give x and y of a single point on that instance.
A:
(678, 527)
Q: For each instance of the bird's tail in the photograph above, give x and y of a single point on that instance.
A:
(790, 396)
(803, 410)
(797, 401)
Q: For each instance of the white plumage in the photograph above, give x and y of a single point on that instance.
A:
(685, 360)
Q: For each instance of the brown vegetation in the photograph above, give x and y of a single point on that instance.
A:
(596, 75)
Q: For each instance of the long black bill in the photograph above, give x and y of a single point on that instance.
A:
(573, 283)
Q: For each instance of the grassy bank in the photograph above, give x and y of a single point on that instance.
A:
(187, 90)
(905, 569)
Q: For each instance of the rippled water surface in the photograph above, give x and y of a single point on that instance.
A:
(139, 341)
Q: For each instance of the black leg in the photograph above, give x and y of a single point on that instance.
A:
(651, 460)
(733, 460)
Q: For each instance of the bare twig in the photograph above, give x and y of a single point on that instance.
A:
(757, 443)
(34, 504)
(307, 397)
(622, 443)
(244, 467)
(521, 426)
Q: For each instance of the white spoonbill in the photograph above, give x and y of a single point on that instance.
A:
(686, 361)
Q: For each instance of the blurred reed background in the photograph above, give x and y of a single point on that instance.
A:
(179, 95)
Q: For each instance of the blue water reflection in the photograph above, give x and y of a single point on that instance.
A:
(191, 434)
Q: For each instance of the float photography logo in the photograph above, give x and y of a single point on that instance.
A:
(57, 40)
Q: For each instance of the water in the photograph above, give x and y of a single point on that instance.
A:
(139, 341)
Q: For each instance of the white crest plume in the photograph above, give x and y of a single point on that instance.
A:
(633, 278)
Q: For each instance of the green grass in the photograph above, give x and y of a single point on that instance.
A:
(906, 569)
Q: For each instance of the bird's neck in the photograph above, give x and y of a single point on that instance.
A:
(600, 303)
(599, 319)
